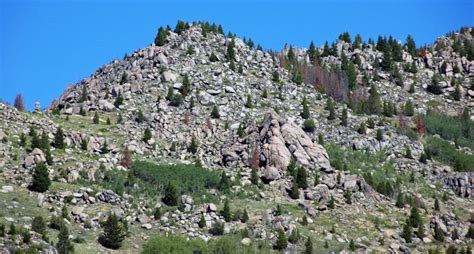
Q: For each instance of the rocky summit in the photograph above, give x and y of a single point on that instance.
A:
(205, 142)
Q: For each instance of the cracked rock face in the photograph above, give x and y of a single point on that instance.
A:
(282, 142)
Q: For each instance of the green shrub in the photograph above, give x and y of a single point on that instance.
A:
(217, 228)
(192, 180)
(451, 128)
(173, 245)
(309, 125)
(443, 151)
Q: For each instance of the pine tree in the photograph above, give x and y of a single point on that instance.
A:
(415, 218)
(406, 232)
(249, 103)
(373, 102)
(140, 117)
(118, 100)
(41, 181)
(308, 246)
(245, 216)
(457, 93)
(64, 245)
(114, 233)
(39, 225)
(171, 194)
(213, 57)
(294, 192)
(95, 120)
(215, 112)
(281, 242)
(330, 107)
(312, 53)
(332, 202)
(305, 112)
(59, 139)
(202, 221)
(226, 211)
(160, 38)
(438, 233)
(436, 205)
(301, 178)
(224, 183)
(352, 245)
(147, 135)
(119, 118)
(344, 117)
(105, 147)
(420, 232)
(275, 76)
(231, 50)
(254, 176)
(294, 236)
(348, 196)
(411, 46)
(409, 110)
(379, 136)
(193, 146)
(400, 200)
(434, 87)
(124, 78)
(351, 76)
(35, 141)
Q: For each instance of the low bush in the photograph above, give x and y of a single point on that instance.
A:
(445, 152)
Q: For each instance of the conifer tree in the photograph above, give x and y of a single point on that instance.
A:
(64, 245)
(35, 141)
(39, 225)
(140, 117)
(312, 53)
(457, 93)
(330, 107)
(294, 192)
(308, 246)
(147, 135)
(160, 38)
(105, 147)
(409, 110)
(231, 50)
(213, 57)
(294, 236)
(202, 221)
(415, 218)
(281, 242)
(245, 216)
(438, 233)
(95, 120)
(215, 112)
(373, 102)
(344, 117)
(118, 100)
(193, 146)
(302, 178)
(171, 194)
(305, 112)
(114, 232)
(406, 232)
(348, 196)
(41, 181)
(249, 103)
(226, 211)
(351, 76)
(411, 46)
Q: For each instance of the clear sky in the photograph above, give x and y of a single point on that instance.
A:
(45, 45)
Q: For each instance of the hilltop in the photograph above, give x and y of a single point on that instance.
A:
(351, 146)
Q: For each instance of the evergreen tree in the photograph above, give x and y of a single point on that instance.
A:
(379, 135)
(254, 176)
(95, 120)
(39, 225)
(59, 139)
(44, 142)
(193, 146)
(22, 139)
(241, 131)
(312, 53)
(124, 78)
(215, 112)
(412, 88)
(457, 93)
(202, 221)
(438, 233)
(114, 233)
(400, 200)
(436, 205)
(305, 112)
(171, 194)
(348, 196)
(231, 50)
(373, 102)
(281, 242)
(357, 41)
(245, 216)
(118, 100)
(301, 178)
(409, 110)
(64, 245)
(249, 103)
(180, 27)
(294, 236)
(226, 211)
(241, 69)
(105, 147)
(415, 218)
(294, 192)
(344, 117)
(291, 55)
(352, 245)
(213, 57)
(406, 232)
(330, 107)
(160, 38)
(434, 87)
(147, 135)
(332, 203)
(351, 76)
(411, 46)
(420, 232)
(41, 181)
(224, 183)
(35, 141)
(308, 246)
(140, 117)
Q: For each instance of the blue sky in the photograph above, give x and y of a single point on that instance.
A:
(45, 45)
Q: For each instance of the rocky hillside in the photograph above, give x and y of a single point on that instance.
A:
(358, 146)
